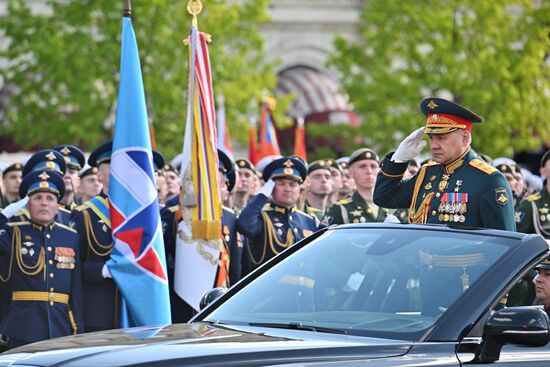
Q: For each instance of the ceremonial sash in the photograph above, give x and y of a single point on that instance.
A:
(100, 206)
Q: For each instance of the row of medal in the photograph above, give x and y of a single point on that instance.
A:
(65, 257)
(453, 206)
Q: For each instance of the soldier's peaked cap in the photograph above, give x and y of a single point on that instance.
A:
(286, 167)
(42, 180)
(444, 116)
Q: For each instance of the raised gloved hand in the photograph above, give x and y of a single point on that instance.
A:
(267, 189)
(410, 147)
(13, 208)
(391, 219)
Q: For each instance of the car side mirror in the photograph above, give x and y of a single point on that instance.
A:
(524, 326)
(211, 296)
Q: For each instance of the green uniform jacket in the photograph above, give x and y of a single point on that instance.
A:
(534, 214)
(352, 210)
(466, 192)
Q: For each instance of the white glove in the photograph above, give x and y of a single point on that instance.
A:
(105, 272)
(13, 208)
(391, 219)
(410, 147)
(267, 189)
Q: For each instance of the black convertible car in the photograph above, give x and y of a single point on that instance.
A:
(354, 295)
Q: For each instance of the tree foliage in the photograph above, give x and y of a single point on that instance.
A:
(61, 75)
(486, 55)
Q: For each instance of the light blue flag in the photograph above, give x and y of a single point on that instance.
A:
(137, 262)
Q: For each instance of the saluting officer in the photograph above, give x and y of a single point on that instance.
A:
(92, 222)
(534, 211)
(359, 208)
(272, 225)
(40, 267)
(459, 188)
(74, 158)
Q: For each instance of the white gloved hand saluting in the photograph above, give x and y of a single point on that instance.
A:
(267, 189)
(410, 147)
(13, 208)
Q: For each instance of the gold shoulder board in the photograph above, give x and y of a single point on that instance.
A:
(482, 166)
(533, 197)
(173, 208)
(81, 207)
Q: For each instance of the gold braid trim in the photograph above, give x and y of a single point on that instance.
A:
(25, 269)
(16, 238)
(420, 215)
(270, 232)
(90, 236)
(73, 323)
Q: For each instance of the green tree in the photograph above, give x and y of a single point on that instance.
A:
(486, 55)
(61, 71)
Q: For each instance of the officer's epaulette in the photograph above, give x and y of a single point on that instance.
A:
(17, 224)
(228, 209)
(173, 208)
(65, 227)
(482, 166)
(81, 207)
(533, 197)
(345, 201)
(267, 207)
(64, 210)
(306, 214)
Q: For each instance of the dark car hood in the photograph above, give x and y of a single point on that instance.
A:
(200, 344)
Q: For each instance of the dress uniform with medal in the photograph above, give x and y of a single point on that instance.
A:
(48, 159)
(269, 227)
(356, 209)
(463, 191)
(534, 210)
(92, 222)
(40, 268)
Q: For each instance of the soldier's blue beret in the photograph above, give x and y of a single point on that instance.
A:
(46, 159)
(158, 160)
(101, 154)
(285, 167)
(42, 180)
(73, 155)
(445, 116)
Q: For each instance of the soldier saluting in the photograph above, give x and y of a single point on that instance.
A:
(40, 267)
(459, 188)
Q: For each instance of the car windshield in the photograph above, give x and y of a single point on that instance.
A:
(380, 282)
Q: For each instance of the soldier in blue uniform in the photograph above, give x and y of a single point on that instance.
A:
(271, 222)
(40, 267)
(359, 208)
(51, 160)
(459, 188)
(74, 158)
(92, 222)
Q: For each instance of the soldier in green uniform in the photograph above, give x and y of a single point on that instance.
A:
(359, 208)
(459, 188)
(534, 210)
(12, 176)
(317, 188)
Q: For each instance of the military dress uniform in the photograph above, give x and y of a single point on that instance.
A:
(74, 158)
(92, 222)
(534, 214)
(40, 268)
(271, 228)
(465, 192)
(4, 202)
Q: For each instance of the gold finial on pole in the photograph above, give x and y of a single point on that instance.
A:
(127, 8)
(194, 7)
